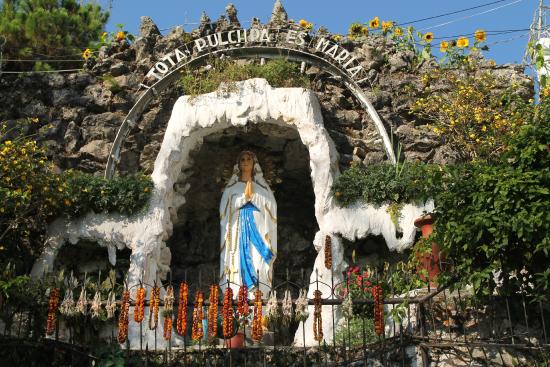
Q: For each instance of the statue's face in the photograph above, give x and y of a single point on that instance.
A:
(246, 163)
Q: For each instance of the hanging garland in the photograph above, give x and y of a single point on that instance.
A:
(378, 309)
(140, 305)
(53, 302)
(317, 320)
(227, 313)
(328, 252)
(154, 308)
(242, 303)
(213, 311)
(257, 331)
(302, 313)
(196, 331)
(168, 312)
(123, 317)
(181, 322)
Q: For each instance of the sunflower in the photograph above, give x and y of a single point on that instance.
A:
(398, 32)
(303, 23)
(462, 42)
(374, 23)
(429, 37)
(337, 37)
(365, 31)
(443, 46)
(480, 35)
(355, 29)
(120, 36)
(386, 26)
(86, 54)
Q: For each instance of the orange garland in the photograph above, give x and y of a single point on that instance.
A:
(123, 317)
(242, 304)
(167, 332)
(196, 331)
(317, 320)
(154, 308)
(213, 311)
(257, 330)
(378, 309)
(139, 308)
(53, 303)
(328, 252)
(227, 313)
(181, 322)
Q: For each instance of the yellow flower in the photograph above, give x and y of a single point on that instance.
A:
(365, 31)
(462, 42)
(374, 23)
(429, 37)
(86, 54)
(337, 37)
(443, 46)
(7, 142)
(480, 35)
(104, 35)
(146, 189)
(120, 36)
(303, 23)
(472, 136)
(337, 193)
(387, 25)
(398, 32)
(355, 29)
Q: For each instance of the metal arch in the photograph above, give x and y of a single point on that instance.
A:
(242, 52)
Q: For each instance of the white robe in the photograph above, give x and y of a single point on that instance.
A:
(233, 199)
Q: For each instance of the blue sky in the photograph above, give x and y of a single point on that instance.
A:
(338, 15)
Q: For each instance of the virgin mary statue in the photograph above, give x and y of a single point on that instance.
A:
(248, 218)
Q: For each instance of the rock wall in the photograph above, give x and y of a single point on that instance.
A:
(81, 112)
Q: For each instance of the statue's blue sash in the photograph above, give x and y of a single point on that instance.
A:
(249, 235)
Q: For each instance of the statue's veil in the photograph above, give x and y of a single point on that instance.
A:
(257, 173)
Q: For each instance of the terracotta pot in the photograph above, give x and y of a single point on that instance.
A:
(429, 262)
(235, 342)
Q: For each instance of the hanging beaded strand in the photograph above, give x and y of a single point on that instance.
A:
(181, 322)
(196, 331)
(213, 311)
(257, 331)
(227, 313)
(378, 310)
(328, 252)
(123, 317)
(139, 308)
(53, 303)
(317, 320)
(154, 308)
(242, 304)
(168, 313)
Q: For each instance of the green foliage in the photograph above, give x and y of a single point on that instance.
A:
(32, 194)
(383, 183)
(279, 73)
(55, 28)
(350, 332)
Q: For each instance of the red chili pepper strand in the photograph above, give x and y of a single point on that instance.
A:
(228, 313)
(167, 328)
(317, 319)
(140, 305)
(213, 311)
(53, 303)
(242, 304)
(123, 317)
(197, 332)
(181, 322)
(154, 308)
(257, 331)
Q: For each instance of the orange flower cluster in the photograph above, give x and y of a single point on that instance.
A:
(317, 320)
(154, 308)
(227, 313)
(378, 309)
(181, 322)
(167, 328)
(196, 331)
(123, 318)
(328, 252)
(213, 311)
(140, 304)
(242, 303)
(257, 331)
(53, 303)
